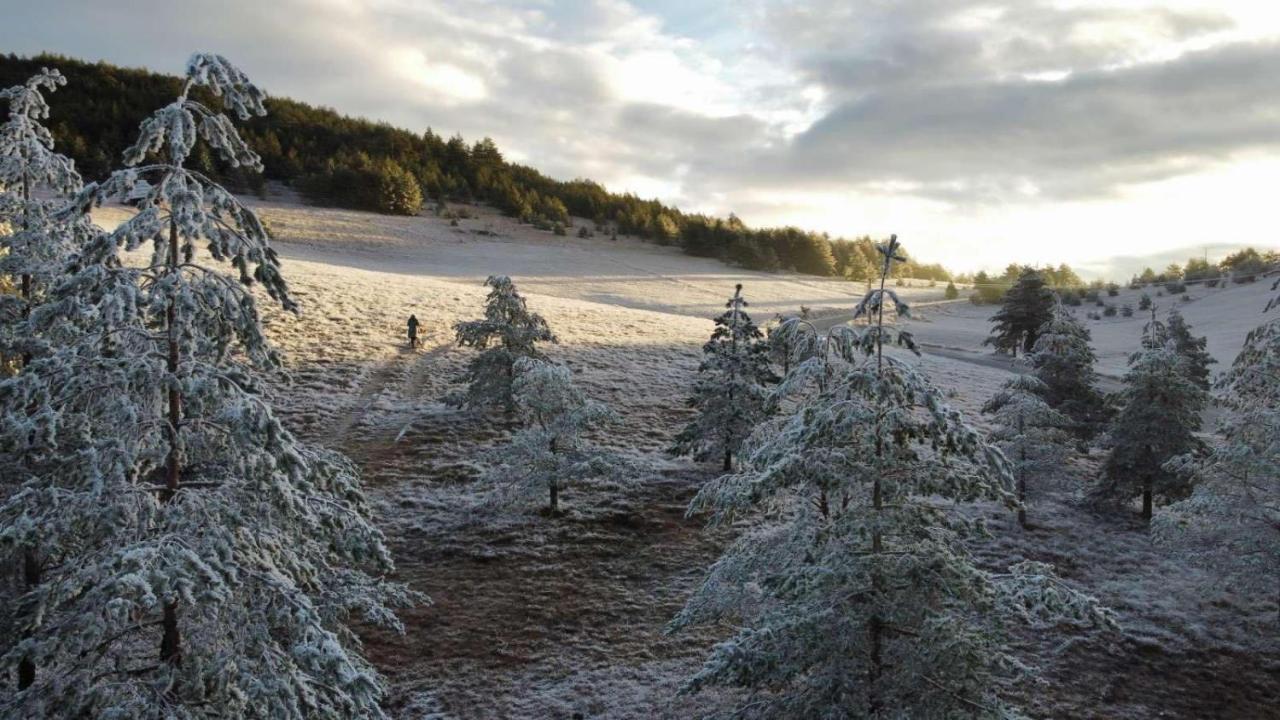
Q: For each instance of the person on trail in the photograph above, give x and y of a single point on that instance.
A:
(413, 331)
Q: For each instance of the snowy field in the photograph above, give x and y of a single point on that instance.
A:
(562, 617)
(1224, 315)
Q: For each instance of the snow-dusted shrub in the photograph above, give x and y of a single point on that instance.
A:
(731, 389)
(508, 332)
(203, 561)
(851, 586)
(1029, 432)
(549, 453)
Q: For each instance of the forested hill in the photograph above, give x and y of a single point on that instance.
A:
(339, 160)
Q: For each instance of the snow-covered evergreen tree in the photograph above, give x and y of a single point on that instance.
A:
(1029, 432)
(1025, 308)
(852, 588)
(35, 242)
(35, 182)
(792, 341)
(1063, 361)
(731, 389)
(1192, 349)
(1159, 417)
(508, 332)
(549, 453)
(1231, 521)
(204, 562)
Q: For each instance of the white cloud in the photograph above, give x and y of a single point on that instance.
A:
(449, 83)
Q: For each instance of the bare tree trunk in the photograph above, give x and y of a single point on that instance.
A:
(26, 277)
(30, 576)
(555, 483)
(171, 639)
(30, 559)
(876, 626)
(27, 288)
(728, 440)
(1022, 473)
(1022, 500)
(1147, 489)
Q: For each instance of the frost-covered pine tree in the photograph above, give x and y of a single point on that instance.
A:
(1191, 348)
(1231, 521)
(1158, 420)
(1062, 359)
(203, 561)
(851, 588)
(732, 387)
(1029, 432)
(35, 242)
(792, 341)
(508, 332)
(35, 182)
(549, 453)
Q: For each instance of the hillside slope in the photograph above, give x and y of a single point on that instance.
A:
(1224, 315)
(548, 617)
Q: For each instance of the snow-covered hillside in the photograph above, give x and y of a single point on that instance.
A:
(559, 617)
(1224, 315)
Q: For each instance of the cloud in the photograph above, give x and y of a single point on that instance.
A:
(956, 115)
(1081, 136)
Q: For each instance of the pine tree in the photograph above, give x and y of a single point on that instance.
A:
(792, 341)
(731, 390)
(35, 182)
(1231, 521)
(549, 453)
(1029, 432)
(852, 587)
(507, 333)
(1190, 348)
(204, 561)
(1063, 360)
(35, 241)
(1026, 307)
(1158, 420)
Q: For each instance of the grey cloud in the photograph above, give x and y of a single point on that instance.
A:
(912, 96)
(852, 48)
(1082, 135)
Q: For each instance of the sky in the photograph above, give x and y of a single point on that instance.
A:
(1105, 134)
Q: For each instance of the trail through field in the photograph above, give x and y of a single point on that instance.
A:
(375, 383)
